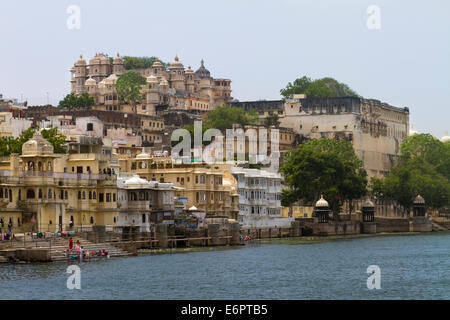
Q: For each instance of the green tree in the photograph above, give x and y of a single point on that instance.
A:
(423, 168)
(57, 139)
(131, 63)
(272, 120)
(10, 145)
(128, 88)
(325, 167)
(224, 117)
(73, 101)
(320, 88)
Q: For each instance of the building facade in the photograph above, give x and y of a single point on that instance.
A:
(259, 198)
(375, 129)
(174, 87)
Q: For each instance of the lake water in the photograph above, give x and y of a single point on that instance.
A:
(412, 267)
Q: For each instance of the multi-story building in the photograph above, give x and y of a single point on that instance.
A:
(13, 126)
(375, 129)
(209, 188)
(44, 191)
(259, 198)
(174, 87)
(143, 203)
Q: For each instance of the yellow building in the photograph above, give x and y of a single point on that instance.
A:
(209, 189)
(44, 191)
(297, 212)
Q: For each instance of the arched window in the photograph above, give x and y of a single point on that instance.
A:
(49, 166)
(40, 193)
(49, 193)
(20, 194)
(30, 166)
(61, 194)
(66, 195)
(1, 193)
(92, 220)
(79, 195)
(90, 195)
(94, 195)
(84, 195)
(30, 194)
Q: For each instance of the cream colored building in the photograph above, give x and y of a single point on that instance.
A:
(143, 203)
(44, 191)
(375, 129)
(209, 189)
(173, 88)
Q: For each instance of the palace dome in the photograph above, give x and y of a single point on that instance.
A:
(368, 204)
(322, 203)
(143, 155)
(37, 146)
(112, 79)
(81, 61)
(157, 64)
(90, 82)
(419, 199)
(176, 63)
(202, 72)
(189, 70)
(152, 79)
(118, 59)
(136, 181)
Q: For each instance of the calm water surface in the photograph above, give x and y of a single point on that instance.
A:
(412, 267)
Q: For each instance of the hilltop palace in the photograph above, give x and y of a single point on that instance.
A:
(173, 88)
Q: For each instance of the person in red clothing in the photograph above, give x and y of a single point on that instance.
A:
(70, 244)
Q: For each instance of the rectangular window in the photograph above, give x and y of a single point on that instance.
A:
(100, 197)
(108, 197)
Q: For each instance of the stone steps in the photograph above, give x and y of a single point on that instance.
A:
(438, 227)
(59, 245)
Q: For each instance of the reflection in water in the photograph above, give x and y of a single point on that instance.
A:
(412, 267)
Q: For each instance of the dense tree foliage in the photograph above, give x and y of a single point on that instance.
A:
(223, 117)
(140, 62)
(325, 167)
(129, 86)
(272, 120)
(10, 145)
(73, 101)
(423, 168)
(320, 88)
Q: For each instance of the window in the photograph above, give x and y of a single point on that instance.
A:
(94, 195)
(143, 218)
(90, 127)
(50, 193)
(90, 195)
(40, 193)
(84, 195)
(108, 197)
(100, 197)
(66, 195)
(30, 194)
(92, 220)
(114, 197)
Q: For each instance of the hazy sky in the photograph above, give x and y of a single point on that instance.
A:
(260, 45)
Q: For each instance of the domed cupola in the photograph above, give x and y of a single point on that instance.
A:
(37, 146)
(202, 72)
(80, 62)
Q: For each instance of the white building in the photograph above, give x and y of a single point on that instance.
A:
(143, 203)
(11, 126)
(259, 198)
